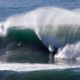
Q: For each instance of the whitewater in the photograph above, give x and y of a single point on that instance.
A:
(55, 27)
(27, 67)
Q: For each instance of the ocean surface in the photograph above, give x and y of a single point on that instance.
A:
(39, 39)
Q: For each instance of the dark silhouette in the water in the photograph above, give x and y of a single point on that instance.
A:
(51, 56)
(2, 27)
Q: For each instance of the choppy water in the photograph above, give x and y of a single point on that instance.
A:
(30, 31)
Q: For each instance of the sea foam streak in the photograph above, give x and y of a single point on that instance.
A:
(33, 67)
(55, 27)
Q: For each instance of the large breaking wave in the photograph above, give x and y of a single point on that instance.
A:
(55, 27)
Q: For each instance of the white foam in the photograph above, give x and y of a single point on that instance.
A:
(70, 51)
(32, 67)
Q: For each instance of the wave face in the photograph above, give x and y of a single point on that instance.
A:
(22, 46)
(55, 27)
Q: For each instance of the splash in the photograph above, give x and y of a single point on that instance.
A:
(70, 51)
(55, 27)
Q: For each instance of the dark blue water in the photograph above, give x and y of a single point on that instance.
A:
(9, 7)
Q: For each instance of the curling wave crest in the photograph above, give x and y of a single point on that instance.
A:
(55, 27)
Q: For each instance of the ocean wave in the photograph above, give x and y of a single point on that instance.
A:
(55, 27)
